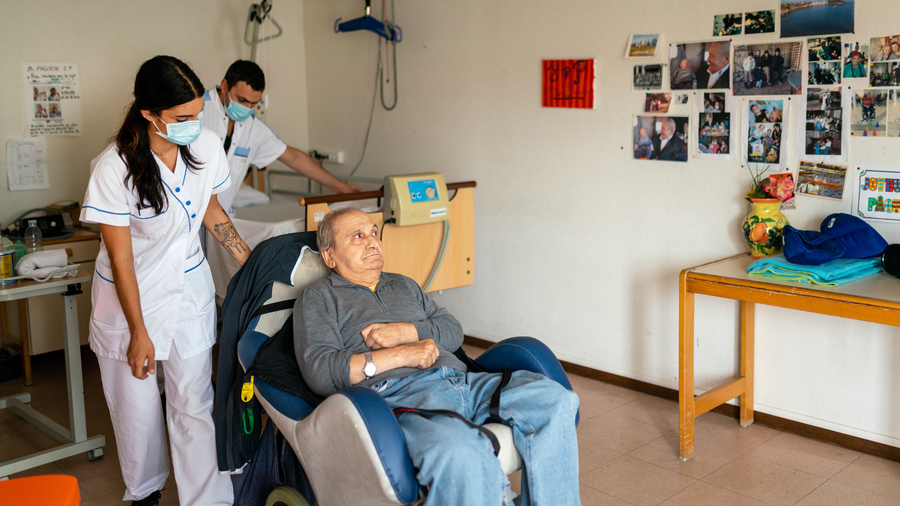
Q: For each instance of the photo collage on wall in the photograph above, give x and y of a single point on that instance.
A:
(884, 60)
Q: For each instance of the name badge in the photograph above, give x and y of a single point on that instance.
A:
(241, 153)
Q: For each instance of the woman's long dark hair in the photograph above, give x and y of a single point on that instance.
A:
(161, 83)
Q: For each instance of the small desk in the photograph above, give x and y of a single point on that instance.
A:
(872, 299)
(74, 438)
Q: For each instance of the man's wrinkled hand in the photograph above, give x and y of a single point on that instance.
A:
(389, 335)
(421, 354)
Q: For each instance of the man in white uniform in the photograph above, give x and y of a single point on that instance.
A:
(228, 111)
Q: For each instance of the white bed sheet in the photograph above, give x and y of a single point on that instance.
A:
(283, 215)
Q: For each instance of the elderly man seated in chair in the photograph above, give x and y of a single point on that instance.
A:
(361, 326)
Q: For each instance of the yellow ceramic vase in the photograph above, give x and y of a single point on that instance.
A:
(764, 228)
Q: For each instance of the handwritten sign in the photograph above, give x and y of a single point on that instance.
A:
(52, 100)
(569, 83)
(876, 194)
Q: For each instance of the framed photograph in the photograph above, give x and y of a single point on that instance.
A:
(883, 49)
(727, 24)
(893, 126)
(662, 138)
(885, 73)
(821, 179)
(767, 69)
(714, 137)
(642, 46)
(700, 65)
(868, 113)
(764, 131)
(759, 22)
(823, 133)
(875, 194)
(824, 49)
(800, 18)
(824, 72)
(855, 57)
(657, 102)
(647, 77)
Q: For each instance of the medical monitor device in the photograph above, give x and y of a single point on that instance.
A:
(414, 199)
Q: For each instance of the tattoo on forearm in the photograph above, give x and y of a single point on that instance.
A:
(229, 238)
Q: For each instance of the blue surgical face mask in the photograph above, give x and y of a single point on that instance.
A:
(182, 133)
(236, 111)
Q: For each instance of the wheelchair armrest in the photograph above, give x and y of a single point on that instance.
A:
(528, 354)
(351, 447)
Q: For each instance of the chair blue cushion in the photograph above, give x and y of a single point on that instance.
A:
(528, 354)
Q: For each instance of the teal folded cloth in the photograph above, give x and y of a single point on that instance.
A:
(833, 273)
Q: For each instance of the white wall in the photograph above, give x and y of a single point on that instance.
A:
(109, 40)
(576, 243)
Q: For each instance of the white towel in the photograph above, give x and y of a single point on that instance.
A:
(42, 264)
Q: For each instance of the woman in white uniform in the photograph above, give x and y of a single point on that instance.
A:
(152, 295)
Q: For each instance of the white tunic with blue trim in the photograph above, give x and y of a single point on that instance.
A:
(252, 141)
(176, 287)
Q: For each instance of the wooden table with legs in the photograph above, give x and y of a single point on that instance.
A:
(872, 299)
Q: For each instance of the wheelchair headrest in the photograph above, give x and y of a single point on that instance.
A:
(309, 268)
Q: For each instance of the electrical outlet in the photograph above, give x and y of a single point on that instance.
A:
(322, 156)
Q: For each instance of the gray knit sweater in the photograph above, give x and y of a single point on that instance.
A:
(330, 314)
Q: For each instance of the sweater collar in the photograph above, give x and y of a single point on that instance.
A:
(337, 280)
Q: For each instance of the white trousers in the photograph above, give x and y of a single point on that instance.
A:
(136, 412)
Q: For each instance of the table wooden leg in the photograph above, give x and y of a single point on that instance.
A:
(748, 328)
(3, 327)
(26, 343)
(686, 371)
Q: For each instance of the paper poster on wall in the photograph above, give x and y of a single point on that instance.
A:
(822, 133)
(642, 46)
(663, 138)
(868, 113)
(26, 164)
(884, 57)
(569, 84)
(700, 65)
(714, 125)
(821, 179)
(728, 24)
(52, 100)
(768, 69)
(816, 17)
(855, 57)
(876, 193)
(647, 77)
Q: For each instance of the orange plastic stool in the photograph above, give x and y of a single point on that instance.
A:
(49, 490)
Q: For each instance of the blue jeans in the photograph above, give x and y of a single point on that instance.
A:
(457, 463)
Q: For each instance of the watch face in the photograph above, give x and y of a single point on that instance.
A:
(369, 370)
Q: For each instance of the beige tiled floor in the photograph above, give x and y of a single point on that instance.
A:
(628, 452)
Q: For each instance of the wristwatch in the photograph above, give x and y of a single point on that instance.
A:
(369, 370)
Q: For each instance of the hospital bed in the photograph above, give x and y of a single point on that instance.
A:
(411, 251)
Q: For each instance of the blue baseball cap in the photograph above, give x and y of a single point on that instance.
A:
(808, 247)
(857, 237)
